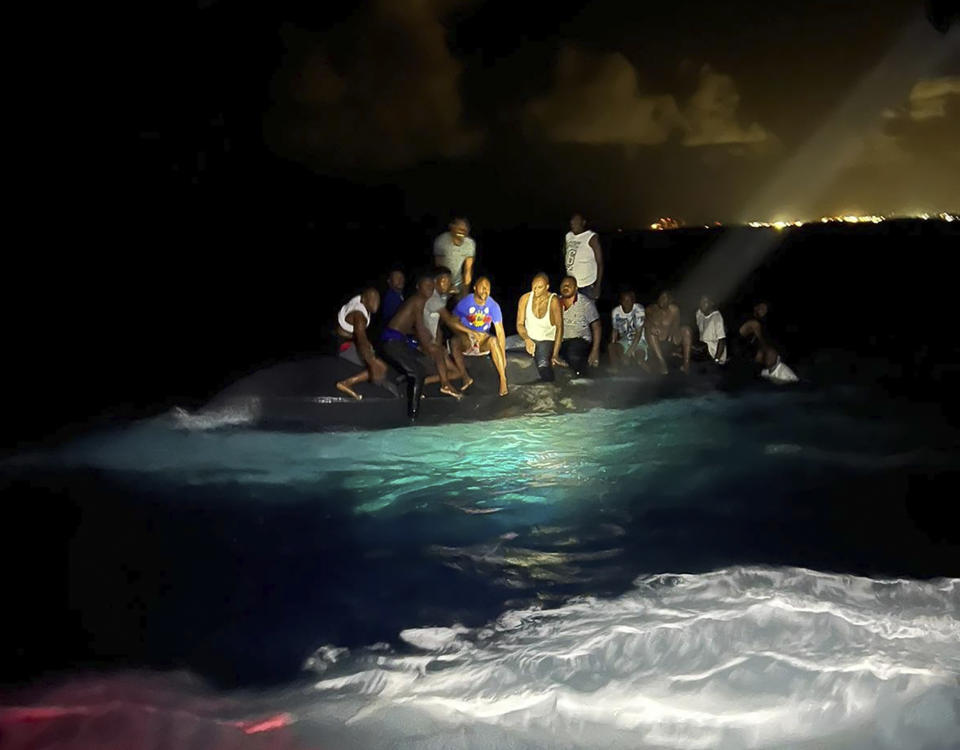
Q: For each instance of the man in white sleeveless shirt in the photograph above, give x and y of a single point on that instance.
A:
(355, 346)
(540, 325)
(582, 257)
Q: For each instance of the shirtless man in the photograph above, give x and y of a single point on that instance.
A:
(400, 347)
(355, 346)
(540, 325)
(479, 312)
(663, 331)
(755, 331)
(435, 312)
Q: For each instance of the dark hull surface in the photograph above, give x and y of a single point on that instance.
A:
(302, 395)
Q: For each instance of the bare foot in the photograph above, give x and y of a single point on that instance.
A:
(447, 390)
(503, 390)
(685, 369)
(349, 391)
(466, 384)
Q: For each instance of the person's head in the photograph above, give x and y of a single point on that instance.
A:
(706, 304)
(540, 285)
(760, 310)
(425, 284)
(459, 229)
(370, 298)
(627, 300)
(568, 287)
(665, 299)
(442, 279)
(481, 289)
(770, 357)
(396, 280)
(577, 223)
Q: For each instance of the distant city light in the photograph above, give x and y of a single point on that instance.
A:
(781, 224)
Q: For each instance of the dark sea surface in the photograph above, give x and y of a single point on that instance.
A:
(710, 565)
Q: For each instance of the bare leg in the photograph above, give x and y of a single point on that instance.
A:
(654, 342)
(438, 356)
(686, 340)
(615, 353)
(346, 386)
(499, 361)
(458, 345)
(452, 372)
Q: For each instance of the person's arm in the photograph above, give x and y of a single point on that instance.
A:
(453, 323)
(467, 272)
(721, 348)
(596, 330)
(614, 334)
(501, 337)
(528, 343)
(598, 254)
(420, 328)
(556, 317)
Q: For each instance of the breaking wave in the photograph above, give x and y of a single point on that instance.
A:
(737, 658)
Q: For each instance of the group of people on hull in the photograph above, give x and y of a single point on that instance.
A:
(427, 336)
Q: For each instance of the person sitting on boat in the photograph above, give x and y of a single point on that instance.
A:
(435, 311)
(583, 258)
(442, 282)
(540, 325)
(479, 312)
(665, 336)
(393, 297)
(355, 347)
(757, 332)
(713, 335)
(581, 328)
(402, 341)
(627, 343)
(775, 369)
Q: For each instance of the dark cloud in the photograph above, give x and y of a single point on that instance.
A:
(382, 91)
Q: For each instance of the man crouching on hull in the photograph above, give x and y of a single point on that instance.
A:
(401, 337)
(479, 312)
(355, 347)
(664, 333)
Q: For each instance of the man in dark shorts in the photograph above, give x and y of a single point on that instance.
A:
(400, 340)
(355, 347)
(665, 335)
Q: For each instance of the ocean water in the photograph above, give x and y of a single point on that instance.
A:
(765, 570)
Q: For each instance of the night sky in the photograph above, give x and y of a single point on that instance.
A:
(514, 114)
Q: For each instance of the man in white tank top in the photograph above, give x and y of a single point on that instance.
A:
(540, 325)
(582, 257)
(355, 346)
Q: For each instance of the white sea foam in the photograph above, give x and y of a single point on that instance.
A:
(737, 658)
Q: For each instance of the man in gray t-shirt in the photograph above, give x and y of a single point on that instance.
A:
(456, 250)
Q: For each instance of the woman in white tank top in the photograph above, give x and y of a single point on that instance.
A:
(543, 334)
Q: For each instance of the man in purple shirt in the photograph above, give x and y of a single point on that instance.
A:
(479, 312)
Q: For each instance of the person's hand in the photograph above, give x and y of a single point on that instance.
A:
(530, 346)
(557, 362)
(594, 360)
(378, 370)
(474, 339)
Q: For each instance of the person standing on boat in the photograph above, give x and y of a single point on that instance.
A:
(355, 347)
(583, 258)
(581, 328)
(480, 312)
(403, 339)
(540, 325)
(456, 250)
